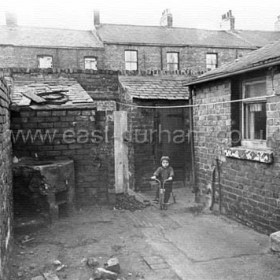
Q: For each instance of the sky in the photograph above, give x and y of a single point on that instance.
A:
(78, 14)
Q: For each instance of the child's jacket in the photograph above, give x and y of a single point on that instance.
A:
(164, 173)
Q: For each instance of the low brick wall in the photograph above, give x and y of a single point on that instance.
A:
(5, 181)
(100, 84)
(82, 134)
(250, 189)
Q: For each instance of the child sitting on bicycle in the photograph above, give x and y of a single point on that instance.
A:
(163, 173)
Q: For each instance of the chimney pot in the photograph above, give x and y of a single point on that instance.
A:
(11, 19)
(228, 21)
(166, 18)
(277, 24)
(96, 17)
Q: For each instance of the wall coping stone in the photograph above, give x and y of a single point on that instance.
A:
(24, 70)
(159, 72)
(264, 156)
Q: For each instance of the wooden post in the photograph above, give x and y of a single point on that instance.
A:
(121, 152)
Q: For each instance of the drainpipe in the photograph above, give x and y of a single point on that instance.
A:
(219, 184)
(194, 183)
(161, 59)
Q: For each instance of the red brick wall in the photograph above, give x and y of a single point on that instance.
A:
(5, 181)
(11, 56)
(72, 132)
(250, 189)
(154, 57)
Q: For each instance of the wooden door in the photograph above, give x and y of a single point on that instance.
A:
(171, 140)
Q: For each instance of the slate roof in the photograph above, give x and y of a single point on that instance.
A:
(258, 38)
(163, 87)
(264, 57)
(60, 92)
(175, 36)
(48, 37)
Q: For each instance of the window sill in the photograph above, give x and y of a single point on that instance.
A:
(244, 153)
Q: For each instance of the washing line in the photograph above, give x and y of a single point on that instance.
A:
(195, 105)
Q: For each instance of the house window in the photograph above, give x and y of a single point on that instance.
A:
(45, 61)
(91, 63)
(131, 60)
(172, 61)
(254, 113)
(211, 61)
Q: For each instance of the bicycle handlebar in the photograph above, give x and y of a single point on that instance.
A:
(155, 179)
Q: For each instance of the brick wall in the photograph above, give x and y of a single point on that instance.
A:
(94, 162)
(100, 85)
(81, 134)
(15, 56)
(5, 181)
(154, 57)
(250, 189)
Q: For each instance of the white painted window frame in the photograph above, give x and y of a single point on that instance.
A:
(252, 143)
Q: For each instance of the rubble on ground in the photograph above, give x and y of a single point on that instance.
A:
(102, 273)
(92, 262)
(113, 265)
(50, 276)
(125, 201)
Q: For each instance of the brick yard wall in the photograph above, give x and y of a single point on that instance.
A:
(15, 56)
(250, 189)
(81, 134)
(154, 57)
(5, 181)
(100, 85)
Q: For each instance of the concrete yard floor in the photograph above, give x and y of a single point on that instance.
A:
(180, 243)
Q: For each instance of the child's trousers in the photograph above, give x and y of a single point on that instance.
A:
(168, 191)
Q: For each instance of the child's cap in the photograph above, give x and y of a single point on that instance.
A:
(165, 158)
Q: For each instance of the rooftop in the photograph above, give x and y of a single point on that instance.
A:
(48, 37)
(156, 87)
(175, 36)
(264, 57)
(49, 93)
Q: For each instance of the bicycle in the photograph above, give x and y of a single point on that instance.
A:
(162, 205)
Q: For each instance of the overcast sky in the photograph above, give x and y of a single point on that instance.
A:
(77, 14)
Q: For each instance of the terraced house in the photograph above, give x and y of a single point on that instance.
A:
(165, 47)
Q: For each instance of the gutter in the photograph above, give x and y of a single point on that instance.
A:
(178, 45)
(226, 75)
(52, 47)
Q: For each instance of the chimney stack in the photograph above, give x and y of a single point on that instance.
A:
(96, 17)
(277, 24)
(166, 18)
(228, 21)
(11, 19)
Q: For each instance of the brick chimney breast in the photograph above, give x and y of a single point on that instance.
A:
(11, 19)
(228, 21)
(166, 18)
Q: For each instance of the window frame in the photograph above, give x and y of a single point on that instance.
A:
(216, 65)
(90, 57)
(130, 62)
(252, 143)
(172, 63)
(44, 56)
